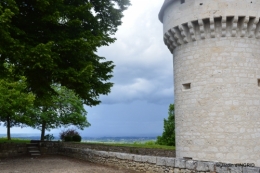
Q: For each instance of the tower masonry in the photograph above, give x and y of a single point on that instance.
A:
(216, 56)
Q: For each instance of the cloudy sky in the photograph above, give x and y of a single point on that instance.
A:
(143, 78)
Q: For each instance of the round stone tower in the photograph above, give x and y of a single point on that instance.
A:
(216, 56)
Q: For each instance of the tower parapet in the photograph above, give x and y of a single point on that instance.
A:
(216, 53)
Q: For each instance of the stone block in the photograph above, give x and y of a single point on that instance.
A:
(124, 156)
(222, 170)
(180, 163)
(236, 170)
(251, 170)
(103, 154)
(149, 159)
(191, 164)
(112, 154)
(137, 158)
(205, 166)
(170, 162)
(161, 161)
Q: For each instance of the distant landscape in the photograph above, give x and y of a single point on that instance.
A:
(125, 139)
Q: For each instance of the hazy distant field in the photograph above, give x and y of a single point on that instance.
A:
(89, 139)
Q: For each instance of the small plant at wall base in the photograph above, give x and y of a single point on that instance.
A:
(48, 137)
(168, 136)
(70, 135)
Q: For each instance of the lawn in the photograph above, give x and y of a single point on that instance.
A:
(14, 140)
(148, 144)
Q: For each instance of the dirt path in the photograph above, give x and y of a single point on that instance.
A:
(54, 164)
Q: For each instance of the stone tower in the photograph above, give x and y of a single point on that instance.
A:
(216, 54)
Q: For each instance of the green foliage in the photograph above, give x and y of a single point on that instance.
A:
(168, 136)
(76, 138)
(55, 42)
(149, 143)
(49, 137)
(15, 101)
(68, 138)
(63, 109)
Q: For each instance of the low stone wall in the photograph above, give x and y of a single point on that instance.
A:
(121, 149)
(14, 149)
(50, 147)
(153, 163)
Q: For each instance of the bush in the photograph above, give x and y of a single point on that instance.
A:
(67, 138)
(49, 137)
(168, 136)
(68, 132)
(76, 138)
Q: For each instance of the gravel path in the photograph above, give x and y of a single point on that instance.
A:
(54, 164)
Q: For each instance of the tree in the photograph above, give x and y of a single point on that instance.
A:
(15, 103)
(64, 109)
(168, 136)
(55, 42)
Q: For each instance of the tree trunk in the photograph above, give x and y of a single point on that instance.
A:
(8, 126)
(43, 130)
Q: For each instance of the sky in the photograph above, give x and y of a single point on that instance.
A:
(143, 79)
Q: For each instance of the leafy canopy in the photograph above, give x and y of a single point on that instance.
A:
(55, 42)
(168, 136)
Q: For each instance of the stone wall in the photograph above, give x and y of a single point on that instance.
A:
(14, 149)
(154, 164)
(50, 147)
(122, 149)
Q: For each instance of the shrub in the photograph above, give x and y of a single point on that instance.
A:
(68, 132)
(67, 138)
(49, 137)
(76, 138)
(168, 136)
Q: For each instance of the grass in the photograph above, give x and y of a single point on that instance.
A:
(147, 144)
(14, 140)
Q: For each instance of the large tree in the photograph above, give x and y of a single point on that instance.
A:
(63, 109)
(168, 136)
(55, 42)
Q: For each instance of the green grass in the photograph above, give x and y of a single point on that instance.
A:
(148, 144)
(14, 140)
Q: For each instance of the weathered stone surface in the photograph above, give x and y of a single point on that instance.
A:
(205, 166)
(160, 161)
(251, 170)
(149, 159)
(180, 163)
(137, 158)
(236, 170)
(102, 154)
(191, 164)
(122, 149)
(170, 162)
(222, 170)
